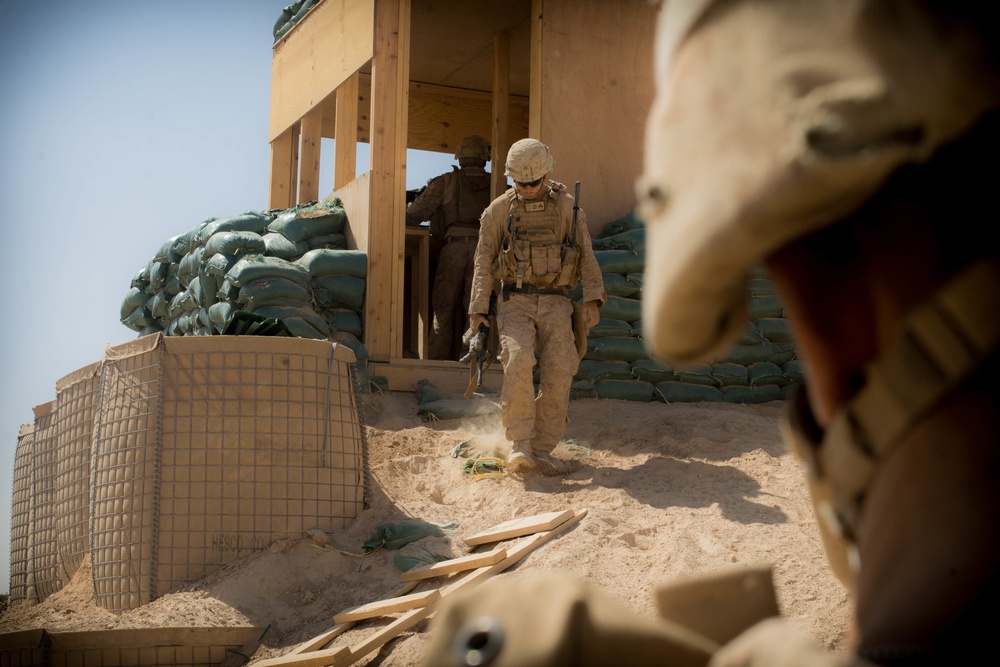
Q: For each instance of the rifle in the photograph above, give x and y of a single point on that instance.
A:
(481, 353)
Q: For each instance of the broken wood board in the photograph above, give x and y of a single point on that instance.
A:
(519, 527)
(319, 641)
(470, 562)
(345, 656)
(391, 606)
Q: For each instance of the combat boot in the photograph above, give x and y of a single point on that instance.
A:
(550, 464)
(520, 458)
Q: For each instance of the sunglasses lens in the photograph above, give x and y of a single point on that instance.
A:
(529, 184)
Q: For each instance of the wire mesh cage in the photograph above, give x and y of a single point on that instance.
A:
(46, 568)
(22, 587)
(209, 448)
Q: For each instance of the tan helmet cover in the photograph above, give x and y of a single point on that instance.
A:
(473, 146)
(528, 160)
(773, 119)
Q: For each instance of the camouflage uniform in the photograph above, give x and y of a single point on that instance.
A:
(530, 322)
(453, 203)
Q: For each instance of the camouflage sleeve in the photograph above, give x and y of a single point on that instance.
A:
(490, 237)
(590, 270)
(421, 208)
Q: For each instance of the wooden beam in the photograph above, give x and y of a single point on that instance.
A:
(319, 641)
(470, 562)
(284, 165)
(535, 70)
(390, 606)
(501, 113)
(518, 527)
(311, 125)
(345, 167)
(356, 199)
(383, 306)
(403, 374)
(440, 116)
(332, 43)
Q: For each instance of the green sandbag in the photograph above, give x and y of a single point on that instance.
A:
(752, 395)
(630, 239)
(405, 562)
(398, 535)
(338, 291)
(294, 317)
(695, 374)
(351, 341)
(158, 273)
(764, 306)
(209, 287)
(276, 245)
(166, 253)
(252, 268)
(609, 328)
(134, 298)
(652, 371)
(684, 392)
(141, 278)
(765, 373)
(794, 370)
(299, 225)
(235, 244)
(187, 269)
(139, 319)
(750, 335)
(218, 264)
(728, 373)
(273, 291)
(604, 370)
(749, 354)
(582, 389)
(630, 220)
(615, 284)
(625, 390)
(428, 392)
(457, 408)
(333, 241)
(620, 261)
(616, 349)
(220, 314)
(251, 221)
(761, 287)
(621, 308)
(344, 319)
(158, 304)
(325, 262)
(783, 352)
(775, 329)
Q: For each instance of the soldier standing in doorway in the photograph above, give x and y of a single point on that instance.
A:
(453, 203)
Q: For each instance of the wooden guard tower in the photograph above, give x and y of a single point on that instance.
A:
(423, 74)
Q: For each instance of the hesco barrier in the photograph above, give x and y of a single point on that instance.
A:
(22, 587)
(209, 448)
(45, 567)
(76, 400)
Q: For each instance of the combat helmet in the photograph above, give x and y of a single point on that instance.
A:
(475, 147)
(528, 160)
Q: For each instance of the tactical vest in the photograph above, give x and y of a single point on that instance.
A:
(536, 250)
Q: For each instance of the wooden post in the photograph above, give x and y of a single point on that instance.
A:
(312, 130)
(501, 112)
(345, 165)
(390, 69)
(535, 71)
(284, 165)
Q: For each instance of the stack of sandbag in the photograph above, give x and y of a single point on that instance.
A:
(289, 264)
(761, 367)
(291, 15)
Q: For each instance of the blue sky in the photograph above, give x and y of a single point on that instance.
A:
(124, 123)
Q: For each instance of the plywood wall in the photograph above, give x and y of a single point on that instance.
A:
(595, 88)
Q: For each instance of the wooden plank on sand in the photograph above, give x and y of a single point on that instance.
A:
(520, 526)
(390, 606)
(470, 562)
